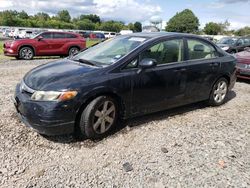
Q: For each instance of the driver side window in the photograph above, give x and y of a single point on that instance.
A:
(170, 51)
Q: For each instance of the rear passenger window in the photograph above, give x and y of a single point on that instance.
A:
(59, 35)
(170, 51)
(70, 36)
(200, 50)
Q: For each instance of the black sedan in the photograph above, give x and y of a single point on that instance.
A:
(130, 75)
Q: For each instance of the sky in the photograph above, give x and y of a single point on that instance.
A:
(237, 12)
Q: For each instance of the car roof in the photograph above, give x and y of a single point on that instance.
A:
(159, 34)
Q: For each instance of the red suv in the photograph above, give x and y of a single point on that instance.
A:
(45, 44)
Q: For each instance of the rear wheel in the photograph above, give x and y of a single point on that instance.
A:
(73, 51)
(26, 53)
(219, 92)
(98, 118)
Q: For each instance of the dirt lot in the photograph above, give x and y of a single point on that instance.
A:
(191, 146)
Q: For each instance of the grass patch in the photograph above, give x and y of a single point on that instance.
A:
(1, 47)
(91, 42)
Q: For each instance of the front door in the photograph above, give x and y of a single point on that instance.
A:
(162, 86)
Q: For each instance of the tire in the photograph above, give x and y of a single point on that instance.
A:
(219, 92)
(17, 57)
(26, 53)
(73, 51)
(99, 117)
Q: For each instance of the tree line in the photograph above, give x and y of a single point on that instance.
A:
(63, 20)
(184, 22)
(187, 22)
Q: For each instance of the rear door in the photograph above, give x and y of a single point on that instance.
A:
(202, 70)
(57, 43)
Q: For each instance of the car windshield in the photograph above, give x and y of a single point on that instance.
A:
(230, 41)
(110, 51)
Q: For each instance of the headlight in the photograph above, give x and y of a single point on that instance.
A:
(53, 95)
(225, 48)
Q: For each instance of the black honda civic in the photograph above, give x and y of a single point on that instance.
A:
(127, 76)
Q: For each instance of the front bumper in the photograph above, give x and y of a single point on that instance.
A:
(9, 52)
(48, 118)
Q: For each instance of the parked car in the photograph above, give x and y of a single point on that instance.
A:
(109, 35)
(99, 35)
(45, 44)
(127, 76)
(234, 45)
(243, 65)
(26, 34)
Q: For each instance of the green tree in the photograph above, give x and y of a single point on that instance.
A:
(184, 22)
(64, 16)
(42, 16)
(111, 26)
(92, 17)
(131, 26)
(243, 31)
(23, 15)
(137, 27)
(9, 18)
(212, 28)
(85, 24)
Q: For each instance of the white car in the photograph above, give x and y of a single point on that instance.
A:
(26, 34)
(109, 35)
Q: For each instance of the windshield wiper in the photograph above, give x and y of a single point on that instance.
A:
(85, 62)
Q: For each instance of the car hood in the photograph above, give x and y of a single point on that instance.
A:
(18, 41)
(59, 75)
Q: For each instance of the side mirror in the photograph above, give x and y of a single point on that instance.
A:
(147, 63)
(39, 38)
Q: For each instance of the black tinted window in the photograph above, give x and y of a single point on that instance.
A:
(47, 35)
(70, 36)
(58, 35)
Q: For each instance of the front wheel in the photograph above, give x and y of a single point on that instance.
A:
(98, 118)
(219, 92)
(26, 53)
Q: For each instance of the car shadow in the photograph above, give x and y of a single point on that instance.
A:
(125, 126)
(241, 80)
(37, 58)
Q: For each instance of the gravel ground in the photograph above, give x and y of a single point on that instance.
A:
(191, 146)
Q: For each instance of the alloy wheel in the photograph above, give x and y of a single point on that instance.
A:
(104, 117)
(26, 53)
(220, 91)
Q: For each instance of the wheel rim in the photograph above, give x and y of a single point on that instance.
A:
(220, 91)
(73, 51)
(26, 53)
(104, 117)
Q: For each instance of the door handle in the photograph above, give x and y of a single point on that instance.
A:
(180, 70)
